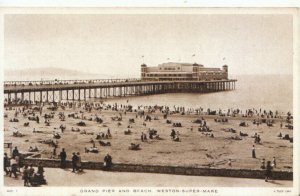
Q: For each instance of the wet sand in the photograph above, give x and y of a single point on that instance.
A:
(194, 149)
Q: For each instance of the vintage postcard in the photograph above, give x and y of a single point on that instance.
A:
(150, 101)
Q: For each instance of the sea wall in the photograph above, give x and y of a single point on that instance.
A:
(178, 170)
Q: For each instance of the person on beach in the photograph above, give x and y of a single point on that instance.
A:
(268, 172)
(142, 137)
(274, 162)
(15, 152)
(74, 161)
(107, 161)
(6, 164)
(229, 163)
(145, 137)
(263, 164)
(54, 151)
(63, 156)
(108, 132)
(30, 171)
(26, 175)
(173, 134)
(78, 163)
(253, 152)
(40, 173)
(13, 166)
(17, 159)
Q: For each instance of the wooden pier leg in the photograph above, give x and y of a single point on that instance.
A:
(41, 97)
(29, 95)
(22, 96)
(16, 97)
(9, 98)
(34, 97)
(60, 96)
(84, 94)
(79, 94)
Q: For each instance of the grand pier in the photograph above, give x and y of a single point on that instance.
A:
(77, 90)
(165, 78)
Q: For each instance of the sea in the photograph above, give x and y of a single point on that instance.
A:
(266, 92)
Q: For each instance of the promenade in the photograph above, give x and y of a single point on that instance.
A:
(64, 177)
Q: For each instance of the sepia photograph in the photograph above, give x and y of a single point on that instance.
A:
(149, 101)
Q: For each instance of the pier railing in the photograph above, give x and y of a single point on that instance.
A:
(49, 82)
(86, 81)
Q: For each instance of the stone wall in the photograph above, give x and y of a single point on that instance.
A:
(178, 170)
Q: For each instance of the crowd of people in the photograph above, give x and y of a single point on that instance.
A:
(13, 168)
(37, 178)
(253, 112)
(12, 165)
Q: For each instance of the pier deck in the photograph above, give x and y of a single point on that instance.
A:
(55, 91)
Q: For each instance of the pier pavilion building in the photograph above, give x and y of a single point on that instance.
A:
(183, 71)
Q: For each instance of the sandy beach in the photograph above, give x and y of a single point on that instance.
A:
(194, 148)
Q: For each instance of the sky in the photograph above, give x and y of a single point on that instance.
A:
(115, 43)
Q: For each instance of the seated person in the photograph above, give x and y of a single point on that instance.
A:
(176, 138)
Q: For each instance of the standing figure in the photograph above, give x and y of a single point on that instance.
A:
(30, 171)
(253, 152)
(229, 163)
(274, 162)
(108, 161)
(6, 164)
(13, 168)
(263, 164)
(78, 164)
(26, 176)
(74, 161)
(142, 137)
(63, 156)
(268, 172)
(173, 133)
(40, 173)
(15, 152)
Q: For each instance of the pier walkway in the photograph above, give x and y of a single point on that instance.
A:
(56, 91)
